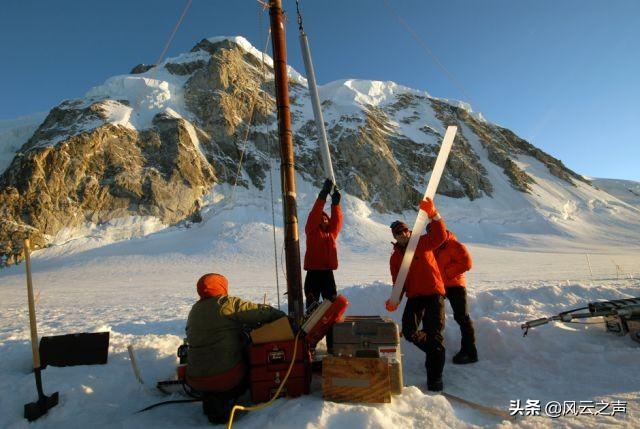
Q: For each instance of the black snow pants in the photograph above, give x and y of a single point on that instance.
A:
(428, 310)
(319, 283)
(217, 406)
(457, 296)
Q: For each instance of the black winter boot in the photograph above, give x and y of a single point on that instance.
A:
(217, 408)
(435, 385)
(435, 364)
(466, 355)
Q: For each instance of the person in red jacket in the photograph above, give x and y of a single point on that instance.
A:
(453, 261)
(425, 292)
(321, 256)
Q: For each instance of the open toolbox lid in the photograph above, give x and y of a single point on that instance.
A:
(323, 318)
(363, 331)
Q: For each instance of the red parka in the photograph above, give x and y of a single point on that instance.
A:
(424, 277)
(453, 261)
(322, 253)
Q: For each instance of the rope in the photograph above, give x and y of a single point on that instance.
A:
(246, 134)
(428, 50)
(273, 228)
(435, 59)
(175, 401)
(173, 33)
(270, 153)
(154, 70)
(480, 407)
(275, 395)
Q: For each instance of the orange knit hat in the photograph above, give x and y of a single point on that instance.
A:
(212, 284)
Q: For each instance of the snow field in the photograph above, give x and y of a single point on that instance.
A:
(143, 297)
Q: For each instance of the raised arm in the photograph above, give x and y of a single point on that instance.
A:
(435, 237)
(335, 223)
(437, 228)
(315, 216)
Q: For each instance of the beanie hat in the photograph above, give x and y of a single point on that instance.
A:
(398, 226)
(212, 284)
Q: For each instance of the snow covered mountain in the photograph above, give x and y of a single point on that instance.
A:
(164, 145)
(131, 192)
(625, 190)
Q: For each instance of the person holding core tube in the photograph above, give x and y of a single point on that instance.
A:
(425, 292)
(321, 256)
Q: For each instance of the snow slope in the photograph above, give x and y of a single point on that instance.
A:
(626, 190)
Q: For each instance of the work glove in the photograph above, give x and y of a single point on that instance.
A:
(326, 188)
(428, 207)
(390, 306)
(335, 198)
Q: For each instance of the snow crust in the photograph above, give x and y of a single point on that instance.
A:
(364, 92)
(146, 95)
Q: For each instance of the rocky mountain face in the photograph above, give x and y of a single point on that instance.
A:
(83, 166)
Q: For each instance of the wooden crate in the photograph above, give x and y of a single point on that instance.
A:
(355, 379)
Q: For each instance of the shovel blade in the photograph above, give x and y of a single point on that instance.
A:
(35, 410)
(75, 349)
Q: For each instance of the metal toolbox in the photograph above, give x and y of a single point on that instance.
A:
(370, 336)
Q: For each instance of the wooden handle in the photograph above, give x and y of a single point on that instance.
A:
(134, 364)
(32, 307)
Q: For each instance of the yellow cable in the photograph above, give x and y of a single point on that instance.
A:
(275, 396)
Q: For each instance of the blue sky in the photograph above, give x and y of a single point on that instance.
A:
(563, 74)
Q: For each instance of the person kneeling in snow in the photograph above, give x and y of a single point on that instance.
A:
(425, 292)
(321, 257)
(453, 261)
(216, 336)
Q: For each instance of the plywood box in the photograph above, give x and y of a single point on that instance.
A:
(278, 330)
(371, 336)
(355, 379)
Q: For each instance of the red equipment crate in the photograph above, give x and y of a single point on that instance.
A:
(323, 318)
(269, 363)
(277, 354)
(265, 382)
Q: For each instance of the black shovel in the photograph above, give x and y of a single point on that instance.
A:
(34, 410)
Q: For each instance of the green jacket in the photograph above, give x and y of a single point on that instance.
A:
(214, 332)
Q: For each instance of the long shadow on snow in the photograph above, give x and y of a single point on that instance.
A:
(166, 327)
